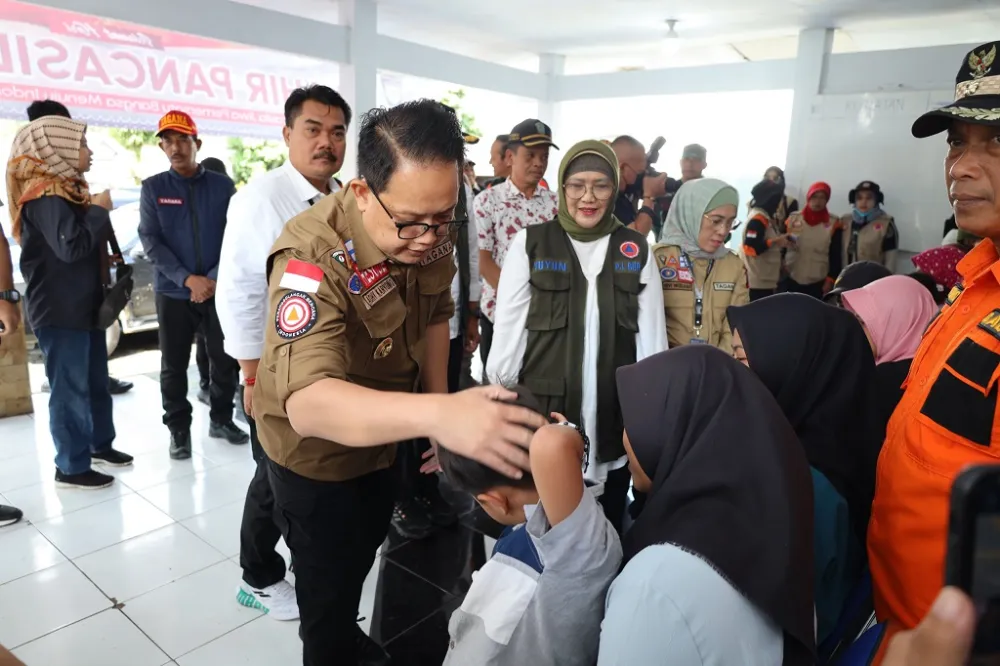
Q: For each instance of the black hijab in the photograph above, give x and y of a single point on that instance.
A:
(817, 362)
(730, 481)
(768, 195)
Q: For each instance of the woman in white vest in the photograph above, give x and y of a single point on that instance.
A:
(700, 276)
(763, 240)
(814, 260)
(870, 233)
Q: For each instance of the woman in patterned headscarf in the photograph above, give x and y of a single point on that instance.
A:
(63, 234)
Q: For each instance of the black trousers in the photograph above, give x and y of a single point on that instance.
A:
(757, 294)
(259, 533)
(615, 497)
(485, 343)
(333, 530)
(179, 321)
(456, 363)
(815, 289)
(201, 358)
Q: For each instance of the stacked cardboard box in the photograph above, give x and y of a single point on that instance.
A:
(15, 389)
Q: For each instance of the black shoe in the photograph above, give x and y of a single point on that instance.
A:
(112, 458)
(117, 386)
(229, 432)
(371, 653)
(438, 509)
(89, 480)
(9, 515)
(411, 521)
(180, 445)
(204, 398)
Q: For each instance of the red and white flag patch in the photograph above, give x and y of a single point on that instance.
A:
(301, 276)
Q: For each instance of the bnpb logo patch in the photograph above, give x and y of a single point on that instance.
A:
(629, 249)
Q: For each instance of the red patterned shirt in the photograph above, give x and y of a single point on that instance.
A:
(500, 212)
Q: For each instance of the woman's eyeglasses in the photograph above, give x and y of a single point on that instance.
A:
(414, 230)
(601, 191)
(722, 223)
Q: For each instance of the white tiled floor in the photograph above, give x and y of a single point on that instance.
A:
(140, 574)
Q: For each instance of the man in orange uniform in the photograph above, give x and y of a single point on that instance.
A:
(948, 416)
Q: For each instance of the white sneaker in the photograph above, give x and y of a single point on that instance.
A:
(277, 600)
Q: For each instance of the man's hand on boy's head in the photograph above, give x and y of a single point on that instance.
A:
(477, 423)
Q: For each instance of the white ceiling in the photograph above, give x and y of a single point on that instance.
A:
(615, 34)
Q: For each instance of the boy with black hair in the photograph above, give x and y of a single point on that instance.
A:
(540, 598)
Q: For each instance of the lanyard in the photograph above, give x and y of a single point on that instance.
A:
(699, 292)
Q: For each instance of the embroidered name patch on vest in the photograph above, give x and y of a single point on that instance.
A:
(550, 265)
(991, 324)
(628, 266)
(724, 286)
(438, 252)
(170, 201)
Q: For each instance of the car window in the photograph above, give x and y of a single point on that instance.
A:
(125, 222)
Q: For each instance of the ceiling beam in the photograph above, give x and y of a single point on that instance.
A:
(762, 75)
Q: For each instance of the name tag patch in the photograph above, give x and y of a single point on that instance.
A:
(628, 266)
(170, 201)
(953, 295)
(685, 275)
(378, 292)
(438, 252)
(991, 324)
(724, 286)
(370, 276)
(295, 316)
(550, 265)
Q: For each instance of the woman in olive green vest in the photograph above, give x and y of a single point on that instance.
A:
(699, 275)
(573, 306)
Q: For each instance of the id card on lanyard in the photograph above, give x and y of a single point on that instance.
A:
(699, 299)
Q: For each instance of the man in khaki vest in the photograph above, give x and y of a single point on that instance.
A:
(870, 233)
(360, 287)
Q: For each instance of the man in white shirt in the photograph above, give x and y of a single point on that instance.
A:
(503, 210)
(316, 121)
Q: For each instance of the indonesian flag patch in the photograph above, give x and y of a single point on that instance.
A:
(301, 276)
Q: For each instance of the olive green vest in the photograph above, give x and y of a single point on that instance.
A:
(552, 367)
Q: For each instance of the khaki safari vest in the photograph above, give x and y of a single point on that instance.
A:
(808, 260)
(342, 311)
(681, 277)
(763, 272)
(866, 243)
(552, 366)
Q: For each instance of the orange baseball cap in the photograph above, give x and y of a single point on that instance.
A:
(177, 121)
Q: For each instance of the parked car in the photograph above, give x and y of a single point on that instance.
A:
(140, 313)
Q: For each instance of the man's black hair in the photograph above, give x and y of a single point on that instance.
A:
(422, 131)
(626, 140)
(476, 478)
(214, 164)
(46, 107)
(315, 93)
(937, 292)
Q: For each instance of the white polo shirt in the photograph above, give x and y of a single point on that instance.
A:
(257, 216)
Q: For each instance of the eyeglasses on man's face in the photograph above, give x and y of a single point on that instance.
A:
(413, 230)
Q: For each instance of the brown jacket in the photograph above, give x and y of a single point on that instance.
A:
(725, 286)
(808, 260)
(763, 270)
(355, 318)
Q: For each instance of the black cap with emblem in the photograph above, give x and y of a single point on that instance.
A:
(869, 185)
(977, 94)
(531, 133)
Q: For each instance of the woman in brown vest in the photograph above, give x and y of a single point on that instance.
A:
(763, 240)
(814, 260)
(700, 276)
(787, 205)
(870, 232)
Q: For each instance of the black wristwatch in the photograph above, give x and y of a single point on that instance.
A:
(11, 296)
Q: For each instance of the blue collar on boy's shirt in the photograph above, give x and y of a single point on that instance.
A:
(516, 543)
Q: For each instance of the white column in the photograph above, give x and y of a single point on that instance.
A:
(810, 69)
(550, 65)
(358, 76)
